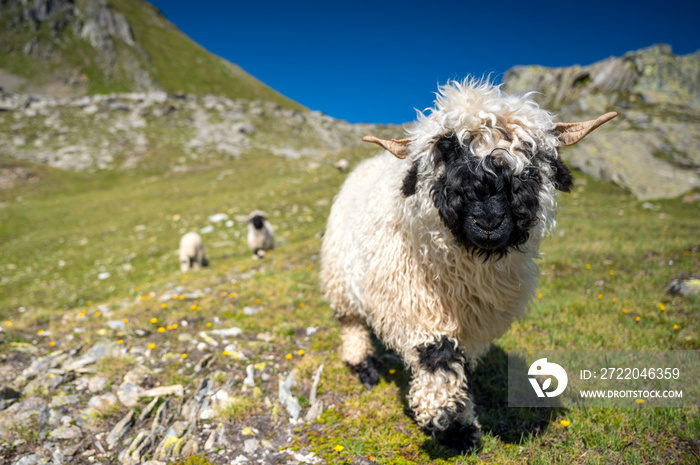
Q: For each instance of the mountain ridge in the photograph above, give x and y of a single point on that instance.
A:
(653, 148)
(80, 47)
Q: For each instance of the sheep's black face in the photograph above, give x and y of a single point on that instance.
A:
(258, 221)
(487, 208)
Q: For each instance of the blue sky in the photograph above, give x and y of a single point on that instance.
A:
(378, 61)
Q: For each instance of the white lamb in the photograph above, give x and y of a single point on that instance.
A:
(432, 244)
(191, 252)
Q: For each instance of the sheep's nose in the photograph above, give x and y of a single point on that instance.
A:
(490, 223)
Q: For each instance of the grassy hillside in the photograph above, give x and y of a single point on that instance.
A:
(56, 57)
(603, 278)
(180, 65)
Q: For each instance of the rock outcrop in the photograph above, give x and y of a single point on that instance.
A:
(653, 147)
(123, 131)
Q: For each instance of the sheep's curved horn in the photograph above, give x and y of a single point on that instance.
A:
(399, 148)
(570, 133)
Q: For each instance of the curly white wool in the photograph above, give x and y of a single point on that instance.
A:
(389, 264)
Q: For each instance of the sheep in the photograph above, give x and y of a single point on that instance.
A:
(191, 252)
(431, 245)
(342, 165)
(260, 234)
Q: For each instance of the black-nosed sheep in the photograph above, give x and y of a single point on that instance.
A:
(191, 252)
(432, 244)
(261, 236)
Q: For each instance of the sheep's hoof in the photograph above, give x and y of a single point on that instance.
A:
(459, 437)
(367, 371)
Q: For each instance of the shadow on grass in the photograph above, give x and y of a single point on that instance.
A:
(489, 389)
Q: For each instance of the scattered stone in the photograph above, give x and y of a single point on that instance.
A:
(67, 432)
(190, 448)
(230, 332)
(265, 337)
(249, 380)
(103, 402)
(250, 445)
(204, 362)
(149, 408)
(33, 459)
(63, 399)
(8, 396)
(249, 311)
(97, 383)
(210, 442)
(31, 409)
(316, 408)
(47, 382)
(120, 429)
(129, 394)
(286, 398)
(218, 217)
(101, 350)
(117, 325)
(136, 375)
(175, 389)
(42, 365)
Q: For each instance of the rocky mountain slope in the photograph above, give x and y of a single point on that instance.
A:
(78, 47)
(653, 147)
(163, 131)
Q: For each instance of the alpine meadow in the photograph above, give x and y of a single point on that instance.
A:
(110, 353)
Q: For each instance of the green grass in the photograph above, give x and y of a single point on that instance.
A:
(609, 254)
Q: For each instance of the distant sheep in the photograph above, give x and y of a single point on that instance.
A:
(342, 165)
(432, 244)
(260, 234)
(191, 252)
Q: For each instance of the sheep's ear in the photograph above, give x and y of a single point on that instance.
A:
(570, 133)
(562, 178)
(399, 148)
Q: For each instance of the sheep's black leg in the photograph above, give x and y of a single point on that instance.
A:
(367, 371)
(439, 397)
(357, 349)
